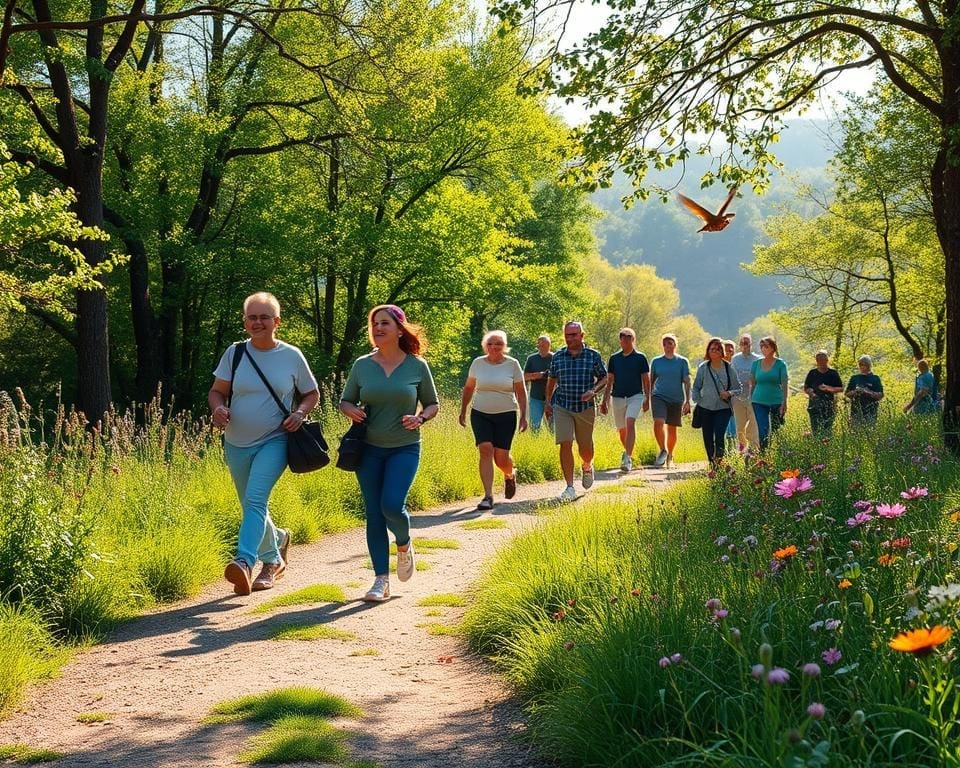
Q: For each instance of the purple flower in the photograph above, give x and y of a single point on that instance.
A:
(720, 541)
(831, 625)
(917, 492)
(811, 669)
(712, 604)
(721, 613)
(664, 662)
(891, 511)
(676, 658)
(778, 676)
(859, 519)
(750, 541)
(816, 710)
(757, 670)
(831, 656)
(863, 505)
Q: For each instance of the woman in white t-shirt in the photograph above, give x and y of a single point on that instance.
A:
(495, 384)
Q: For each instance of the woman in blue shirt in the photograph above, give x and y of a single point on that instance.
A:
(924, 389)
(769, 387)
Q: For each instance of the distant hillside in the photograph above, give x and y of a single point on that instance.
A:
(706, 267)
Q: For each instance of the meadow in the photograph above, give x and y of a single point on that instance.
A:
(794, 610)
(99, 527)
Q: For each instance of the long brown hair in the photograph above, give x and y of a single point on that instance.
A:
(411, 339)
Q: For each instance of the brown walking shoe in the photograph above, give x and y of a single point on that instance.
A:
(269, 575)
(238, 573)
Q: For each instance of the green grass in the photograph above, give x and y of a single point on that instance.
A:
(434, 613)
(421, 545)
(297, 739)
(310, 632)
(94, 717)
(445, 600)
(28, 652)
(364, 652)
(24, 755)
(298, 729)
(584, 613)
(270, 706)
(419, 564)
(315, 593)
(436, 628)
(483, 523)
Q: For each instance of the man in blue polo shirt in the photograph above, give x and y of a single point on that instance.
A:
(670, 376)
(576, 376)
(628, 382)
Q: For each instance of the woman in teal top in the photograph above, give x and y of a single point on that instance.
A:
(389, 383)
(768, 384)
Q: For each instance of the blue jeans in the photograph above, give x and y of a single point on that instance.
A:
(385, 476)
(535, 412)
(768, 421)
(255, 471)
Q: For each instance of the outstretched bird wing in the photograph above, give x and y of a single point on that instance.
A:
(730, 195)
(695, 207)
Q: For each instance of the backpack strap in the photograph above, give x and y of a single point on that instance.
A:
(239, 347)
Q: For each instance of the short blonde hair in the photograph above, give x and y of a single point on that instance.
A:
(263, 297)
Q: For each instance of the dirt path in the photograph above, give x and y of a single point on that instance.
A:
(159, 676)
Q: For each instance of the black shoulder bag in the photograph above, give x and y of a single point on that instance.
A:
(306, 448)
(351, 446)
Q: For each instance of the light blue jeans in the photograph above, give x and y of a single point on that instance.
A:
(535, 411)
(385, 476)
(255, 471)
(769, 421)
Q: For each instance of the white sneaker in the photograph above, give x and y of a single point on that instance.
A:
(405, 562)
(587, 478)
(379, 592)
(669, 461)
(626, 463)
(661, 459)
(569, 494)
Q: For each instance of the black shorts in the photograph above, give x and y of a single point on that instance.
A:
(496, 428)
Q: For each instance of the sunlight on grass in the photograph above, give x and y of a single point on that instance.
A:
(265, 707)
(297, 739)
(483, 523)
(419, 565)
(94, 717)
(427, 545)
(24, 755)
(446, 600)
(434, 613)
(435, 628)
(311, 632)
(365, 652)
(315, 593)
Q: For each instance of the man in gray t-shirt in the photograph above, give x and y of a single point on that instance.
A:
(742, 362)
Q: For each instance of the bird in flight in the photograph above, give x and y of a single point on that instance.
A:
(713, 222)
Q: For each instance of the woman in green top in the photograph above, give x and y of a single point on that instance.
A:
(768, 383)
(389, 383)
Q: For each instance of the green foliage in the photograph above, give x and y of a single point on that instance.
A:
(22, 754)
(483, 524)
(310, 632)
(605, 618)
(446, 600)
(270, 706)
(297, 739)
(315, 593)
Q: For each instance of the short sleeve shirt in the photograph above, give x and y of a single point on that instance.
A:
(862, 405)
(743, 364)
(926, 404)
(388, 398)
(537, 363)
(768, 385)
(495, 391)
(575, 375)
(823, 401)
(628, 373)
(669, 374)
(255, 416)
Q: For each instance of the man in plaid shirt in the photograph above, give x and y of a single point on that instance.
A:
(576, 376)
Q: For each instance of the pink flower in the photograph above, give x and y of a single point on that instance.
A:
(831, 656)
(811, 670)
(859, 519)
(791, 486)
(863, 505)
(664, 662)
(816, 710)
(712, 604)
(721, 613)
(778, 676)
(891, 511)
(917, 492)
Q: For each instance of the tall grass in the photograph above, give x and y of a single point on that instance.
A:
(682, 630)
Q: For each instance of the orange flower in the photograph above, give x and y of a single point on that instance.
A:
(887, 559)
(785, 553)
(955, 515)
(788, 473)
(922, 641)
(845, 584)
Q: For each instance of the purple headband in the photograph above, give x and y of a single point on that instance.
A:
(398, 313)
